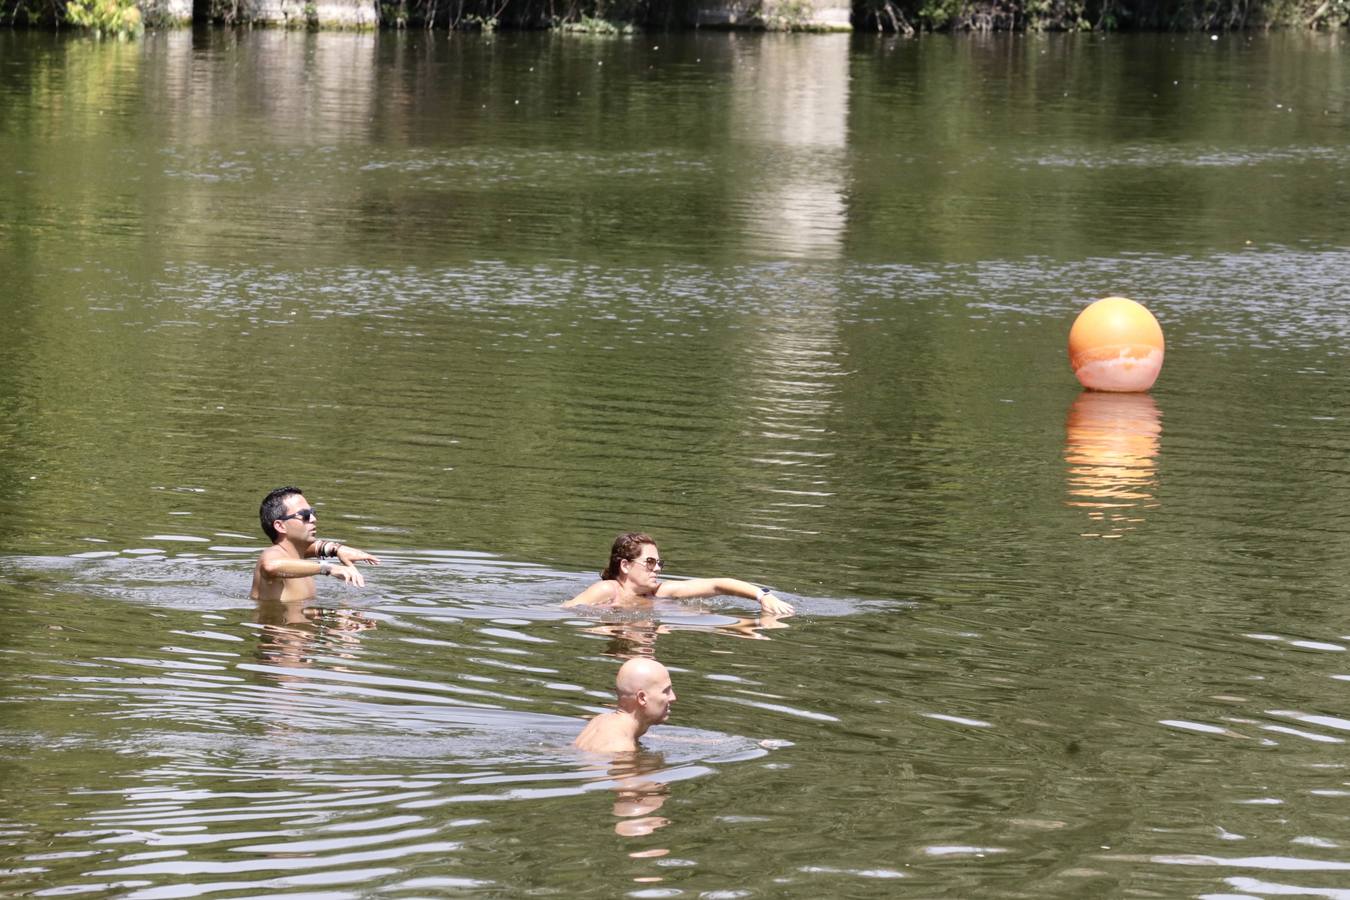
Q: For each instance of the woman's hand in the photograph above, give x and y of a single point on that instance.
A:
(772, 606)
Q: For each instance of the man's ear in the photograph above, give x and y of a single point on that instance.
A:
(640, 698)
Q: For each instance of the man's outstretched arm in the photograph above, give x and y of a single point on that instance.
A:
(279, 565)
(348, 556)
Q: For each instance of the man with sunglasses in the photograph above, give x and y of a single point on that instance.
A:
(286, 570)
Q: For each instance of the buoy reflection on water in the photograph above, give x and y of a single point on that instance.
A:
(1111, 445)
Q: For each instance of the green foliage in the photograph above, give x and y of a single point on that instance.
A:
(884, 15)
(225, 11)
(1322, 14)
(116, 18)
(1337, 14)
(394, 15)
(588, 25)
(1055, 15)
(476, 22)
(123, 18)
(908, 16)
(787, 15)
(30, 12)
(939, 14)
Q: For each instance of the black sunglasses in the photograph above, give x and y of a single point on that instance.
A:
(304, 515)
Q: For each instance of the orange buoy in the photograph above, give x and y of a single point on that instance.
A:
(1116, 345)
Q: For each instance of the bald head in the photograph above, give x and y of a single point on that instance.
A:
(645, 690)
(645, 698)
(640, 674)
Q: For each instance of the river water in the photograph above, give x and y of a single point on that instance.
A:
(796, 305)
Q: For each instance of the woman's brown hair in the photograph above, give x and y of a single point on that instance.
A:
(626, 546)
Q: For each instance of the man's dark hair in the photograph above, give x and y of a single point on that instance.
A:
(273, 508)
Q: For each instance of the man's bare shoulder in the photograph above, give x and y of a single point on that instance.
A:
(606, 733)
(259, 569)
(270, 557)
(264, 586)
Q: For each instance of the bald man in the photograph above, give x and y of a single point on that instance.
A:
(645, 697)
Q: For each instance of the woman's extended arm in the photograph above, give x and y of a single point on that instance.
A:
(734, 587)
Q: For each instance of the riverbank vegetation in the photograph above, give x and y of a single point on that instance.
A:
(102, 18)
(118, 18)
(128, 17)
(912, 16)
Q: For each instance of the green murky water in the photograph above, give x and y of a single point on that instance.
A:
(795, 305)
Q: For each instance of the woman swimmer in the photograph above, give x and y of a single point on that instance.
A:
(630, 578)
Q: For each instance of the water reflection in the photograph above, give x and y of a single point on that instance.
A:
(293, 633)
(1111, 446)
(629, 636)
(295, 87)
(638, 795)
(792, 95)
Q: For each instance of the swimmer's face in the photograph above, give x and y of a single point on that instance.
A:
(659, 699)
(297, 524)
(642, 571)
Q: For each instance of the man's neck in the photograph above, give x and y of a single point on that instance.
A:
(291, 548)
(631, 723)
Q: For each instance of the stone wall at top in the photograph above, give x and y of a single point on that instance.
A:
(775, 15)
(159, 13)
(311, 13)
(325, 14)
